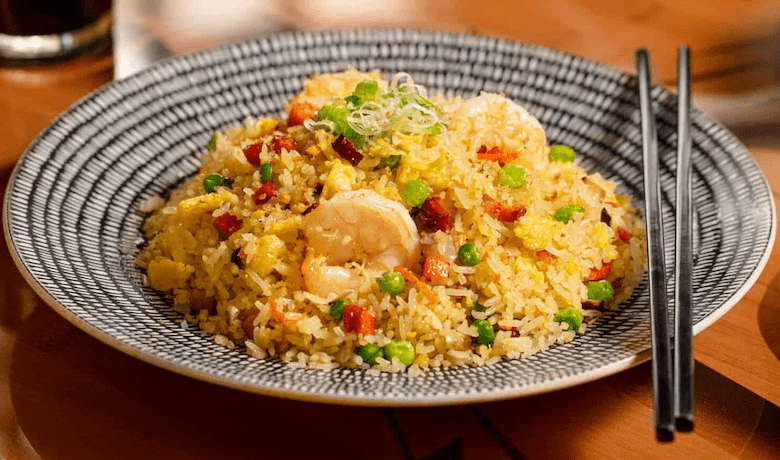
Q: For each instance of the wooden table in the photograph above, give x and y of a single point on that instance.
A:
(65, 395)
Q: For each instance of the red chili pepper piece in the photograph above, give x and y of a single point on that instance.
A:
(300, 113)
(599, 273)
(358, 319)
(252, 153)
(283, 142)
(347, 150)
(435, 215)
(264, 194)
(501, 211)
(624, 234)
(228, 223)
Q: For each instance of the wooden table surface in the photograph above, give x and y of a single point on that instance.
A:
(65, 395)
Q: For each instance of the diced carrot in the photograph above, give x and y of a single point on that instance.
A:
(252, 153)
(278, 316)
(358, 319)
(409, 276)
(624, 234)
(300, 113)
(495, 154)
(435, 269)
(228, 223)
(599, 273)
(264, 193)
(544, 256)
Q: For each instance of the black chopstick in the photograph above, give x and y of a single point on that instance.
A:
(661, 362)
(683, 321)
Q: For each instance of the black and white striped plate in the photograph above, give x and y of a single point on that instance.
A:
(73, 225)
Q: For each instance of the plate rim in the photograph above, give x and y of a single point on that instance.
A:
(351, 399)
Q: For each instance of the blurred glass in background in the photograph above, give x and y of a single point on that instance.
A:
(34, 31)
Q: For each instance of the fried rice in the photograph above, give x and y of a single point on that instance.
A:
(377, 228)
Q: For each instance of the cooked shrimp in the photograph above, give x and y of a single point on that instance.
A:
(322, 279)
(497, 121)
(358, 226)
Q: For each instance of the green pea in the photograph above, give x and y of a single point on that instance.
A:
(416, 192)
(571, 316)
(370, 352)
(212, 145)
(337, 309)
(562, 153)
(512, 175)
(485, 331)
(566, 213)
(600, 290)
(400, 349)
(266, 172)
(211, 181)
(468, 255)
(391, 282)
(390, 161)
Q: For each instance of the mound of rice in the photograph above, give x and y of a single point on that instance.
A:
(288, 217)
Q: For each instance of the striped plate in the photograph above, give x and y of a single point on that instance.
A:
(73, 225)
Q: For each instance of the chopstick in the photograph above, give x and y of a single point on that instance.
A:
(683, 321)
(661, 362)
(673, 411)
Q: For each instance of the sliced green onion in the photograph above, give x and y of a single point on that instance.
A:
(486, 333)
(266, 172)
(212, 145)
(390, 161)
(211, 181)
(566, 213)
(337, 309)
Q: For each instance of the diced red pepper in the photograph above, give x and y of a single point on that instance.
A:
(228, 223)
(435, 215)
(495, 154)
(283, 142)
(264, 193)
(624, 234)
(252, 153)
(599, 273)
(346, 149)
(358, 319)
(435, 269)
(300, 113)
(501, 211)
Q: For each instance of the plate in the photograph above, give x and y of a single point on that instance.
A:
(73, 225)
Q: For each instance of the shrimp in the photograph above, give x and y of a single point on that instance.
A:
(354, 236)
